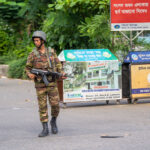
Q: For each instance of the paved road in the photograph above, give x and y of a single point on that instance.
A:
(80, 125)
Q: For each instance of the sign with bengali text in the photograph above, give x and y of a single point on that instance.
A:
(128, 15)
(140, 81)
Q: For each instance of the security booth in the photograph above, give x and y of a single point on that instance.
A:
(95, 76)
(136, 76)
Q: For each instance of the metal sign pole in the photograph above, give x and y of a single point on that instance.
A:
(131, 37)
(131, 41)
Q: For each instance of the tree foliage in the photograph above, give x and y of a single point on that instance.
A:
(66, 20)
(98, 31)
(69, 24)
(33, 13)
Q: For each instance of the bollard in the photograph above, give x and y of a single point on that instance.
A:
(4, 70)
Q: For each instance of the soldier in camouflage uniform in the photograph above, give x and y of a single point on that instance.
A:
(45, 59)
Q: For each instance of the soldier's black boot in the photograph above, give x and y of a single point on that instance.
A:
(45, 130)
(54, 128)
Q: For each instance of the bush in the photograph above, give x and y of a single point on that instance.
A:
(16, 68)
(3, 59)
(5, 43)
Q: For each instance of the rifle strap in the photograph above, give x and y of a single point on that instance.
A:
(48, 54)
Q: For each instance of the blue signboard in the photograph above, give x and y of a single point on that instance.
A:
(138, 57)
(140, 91)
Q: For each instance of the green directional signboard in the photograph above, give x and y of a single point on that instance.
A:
(88, 55)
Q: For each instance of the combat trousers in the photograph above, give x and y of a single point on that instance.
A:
(53, 98)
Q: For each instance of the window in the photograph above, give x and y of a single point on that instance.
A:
(89, 74)
(104, 72)
(96, 73)
(93, 83)
(99, 83)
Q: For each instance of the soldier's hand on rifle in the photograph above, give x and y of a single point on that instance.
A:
(64, 77)
(31, 76)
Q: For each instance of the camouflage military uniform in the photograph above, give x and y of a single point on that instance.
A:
(40, 61)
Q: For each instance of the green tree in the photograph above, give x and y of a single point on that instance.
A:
(9, 13)
(33, 14)
(63, 20)
(98, 30)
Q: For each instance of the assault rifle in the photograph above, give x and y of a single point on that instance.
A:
(44, 74)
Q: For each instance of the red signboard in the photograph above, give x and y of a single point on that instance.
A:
(132, 14)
